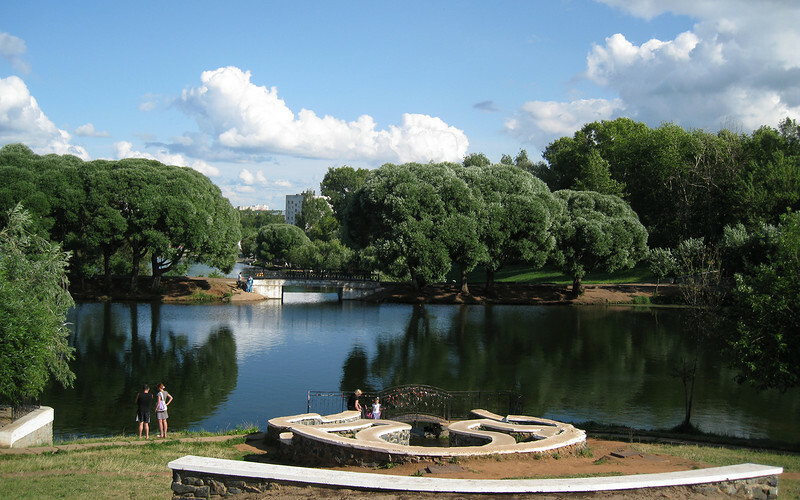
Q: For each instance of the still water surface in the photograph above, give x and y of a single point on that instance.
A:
(230, 365)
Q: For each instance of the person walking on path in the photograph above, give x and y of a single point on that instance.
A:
(163, 399)
(239, 281)
(143, 400)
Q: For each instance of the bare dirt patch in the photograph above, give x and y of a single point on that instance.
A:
(605, 458)
(199, 289)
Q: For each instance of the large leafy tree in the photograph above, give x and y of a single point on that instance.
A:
(406, 213)
(278, 241)
(191, 219)
(316, 218)
(33, 306)
(596, 232)
(517, 211)
(339, 185)
(766, 345)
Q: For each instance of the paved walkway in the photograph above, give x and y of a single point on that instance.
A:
(135, 441)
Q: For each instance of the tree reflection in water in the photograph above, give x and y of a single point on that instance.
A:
(113, 361)
(602, 364)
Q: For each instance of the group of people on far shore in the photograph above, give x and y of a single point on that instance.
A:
(244, 284)
(144, 400)
(354, 403)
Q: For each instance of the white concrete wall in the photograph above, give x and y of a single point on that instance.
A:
(34, 429)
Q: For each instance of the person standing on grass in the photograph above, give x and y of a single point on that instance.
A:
(143, 400)
(163, 399)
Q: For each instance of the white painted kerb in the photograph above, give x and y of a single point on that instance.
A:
(363, 480)
(26, 425)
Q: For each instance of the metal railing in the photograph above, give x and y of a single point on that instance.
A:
(12, 412)
(310, 274)
(422, 400)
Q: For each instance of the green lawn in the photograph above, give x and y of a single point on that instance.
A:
(140, 472)
(524, 274)
(136, 472)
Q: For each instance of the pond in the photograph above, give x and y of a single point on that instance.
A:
(238, 365)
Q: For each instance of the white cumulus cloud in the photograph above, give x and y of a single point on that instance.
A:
(539, 122)
(738, 63)
(21, 120)
(250, 178)
(124, 149)
(247, 118)
(88, 130)
(13, 49)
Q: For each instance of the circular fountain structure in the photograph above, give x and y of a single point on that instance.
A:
(347, 439)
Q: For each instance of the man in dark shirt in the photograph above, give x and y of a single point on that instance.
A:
(143, 400)
(352, 402)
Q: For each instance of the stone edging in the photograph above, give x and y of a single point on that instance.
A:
(200, 477)
(344, 438)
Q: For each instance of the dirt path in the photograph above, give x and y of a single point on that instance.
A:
(189, 289)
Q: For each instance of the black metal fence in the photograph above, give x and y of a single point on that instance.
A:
(308, 274)
(421, 400)
(11, 412)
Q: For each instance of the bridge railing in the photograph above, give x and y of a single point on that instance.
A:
(311, 274)
(419, 399)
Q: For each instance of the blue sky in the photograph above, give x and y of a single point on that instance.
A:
(264, 96)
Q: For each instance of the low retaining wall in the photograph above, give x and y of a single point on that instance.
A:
(305, 440)
(202, 477)
(34, 429)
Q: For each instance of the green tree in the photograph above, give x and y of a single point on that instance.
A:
(276, 241)
(578, 163)
(662, 264)
(33, 306)
(596, 232)
(316, 218)
(702, 291)
(766, 345)
(339, 185)
(516, 215)
(476, 160)
(401, 211)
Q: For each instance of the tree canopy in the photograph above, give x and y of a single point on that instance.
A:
(765, 344)
(516, 213)
(407, 214)
(596, 232)
(33, 305)
(275, 242)
(100, 209)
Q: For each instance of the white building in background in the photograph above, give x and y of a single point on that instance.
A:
(294, 205)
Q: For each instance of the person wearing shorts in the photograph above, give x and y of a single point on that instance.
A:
(163, 399)
(143, 401)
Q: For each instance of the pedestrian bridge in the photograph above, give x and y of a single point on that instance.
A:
(348, 286)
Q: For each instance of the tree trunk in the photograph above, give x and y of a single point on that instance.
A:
(157, 272)
(576, 286)
(464, 286)
(688, 377)
(107, 271)
(138, 253)
(489, 281)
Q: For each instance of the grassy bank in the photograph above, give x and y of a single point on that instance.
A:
(141, 472)
(104, 471)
